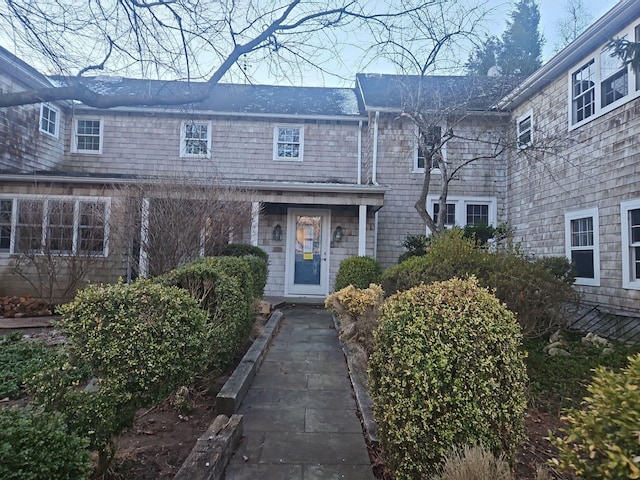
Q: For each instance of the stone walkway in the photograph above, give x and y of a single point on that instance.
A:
(300, 418)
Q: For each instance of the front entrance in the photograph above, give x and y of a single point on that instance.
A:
(307, 264)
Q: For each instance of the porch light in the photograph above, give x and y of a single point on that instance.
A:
(338, 233)
(277, 233)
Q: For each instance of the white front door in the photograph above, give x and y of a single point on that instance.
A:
(307, 265)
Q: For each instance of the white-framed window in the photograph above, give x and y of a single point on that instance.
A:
(582, 245)
(56, 224)
(195, 139)
(463, 210)
(49, 120)
(601, 83)
(524, 130)
(428, 141)
(288, 142)
(630, 230)
(87, 135)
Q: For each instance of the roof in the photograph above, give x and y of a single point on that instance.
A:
(593, 38)
(435, 93)
(240, 99)
(21, 70)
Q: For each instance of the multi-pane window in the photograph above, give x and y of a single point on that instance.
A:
(524, 126)
(583, 92)
(56, 225)
(615, 78)
(450, 219)
(630, 223)
(49, 120)
(477, 214)
(196, 139)
(634, 242)
(582, 245)
(6, 217)
(88, 135)
(288, 143)
(429, 147)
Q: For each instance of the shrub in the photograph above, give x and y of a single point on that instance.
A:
(560, 267)
(474, 463)
(19, 361)
(416, 246)
(603, 438)
(258, 261)
(36, 445)
(221, 285)
(244, 250)
(447, 370)
(357, 271)
(140, 342)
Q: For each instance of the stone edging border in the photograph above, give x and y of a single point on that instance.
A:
(365, 404)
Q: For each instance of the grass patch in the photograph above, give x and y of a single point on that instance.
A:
(20, 360)
(557, 383)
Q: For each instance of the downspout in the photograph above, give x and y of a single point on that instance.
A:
(360, 152)
(374, 173)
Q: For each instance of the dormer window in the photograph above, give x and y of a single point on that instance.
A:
(49, 120)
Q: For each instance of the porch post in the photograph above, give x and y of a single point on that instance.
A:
(255, 218)
(143, 261)
(362, 231)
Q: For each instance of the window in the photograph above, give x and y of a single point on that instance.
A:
(67, 225)
(583, 92)
(429, 141)
(463, 210)
(524, 128)
(477, 214)
(582, 245)
(49, 120)
(87, 136)
(288, 143)
(451, 214)
(630, 222)
(195, 139)
(615, 78)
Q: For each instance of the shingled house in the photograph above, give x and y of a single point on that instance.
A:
(335, 172)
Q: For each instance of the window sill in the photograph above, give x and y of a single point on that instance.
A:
(590, 282)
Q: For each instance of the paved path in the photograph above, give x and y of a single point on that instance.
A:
(300, 418)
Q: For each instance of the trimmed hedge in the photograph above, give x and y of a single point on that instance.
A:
(359, 272)
(258, 261)
(35, 445)
(446, 371)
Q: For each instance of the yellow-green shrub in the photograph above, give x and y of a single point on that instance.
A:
(603, 438)
(447, 370)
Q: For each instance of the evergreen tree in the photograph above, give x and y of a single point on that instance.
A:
(519, 50)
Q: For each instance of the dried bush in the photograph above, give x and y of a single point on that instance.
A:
(474, 463)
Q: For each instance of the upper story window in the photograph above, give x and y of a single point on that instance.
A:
(49, 120)
(428, 147)
(524, 130)
(87, 135)
(582, 245)
(601, 83)
(56, 225)
(288, 143)
(195, 139)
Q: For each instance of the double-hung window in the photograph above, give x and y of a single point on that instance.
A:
(630, 223)
(429, 148)
(195, 139)
(582, 245)
(583, 92)
(54, 225)
(477, 214)
(49, 120)
(524, 130)
(87, 135)
(614, 76)
(288, 142)
(450, 219)
(462, 210)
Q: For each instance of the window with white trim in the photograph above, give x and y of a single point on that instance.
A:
(583, 92)
(49, 120)
(524, 130)
(288, 142)
(615, 78)
(463, 210)
(195, 139)
(87, 135)
(582, 245)
(630, 223)
(59, 225)
(428, 144)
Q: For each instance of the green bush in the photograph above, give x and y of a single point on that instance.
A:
(560, 267)
(358, 271)
(258, 261)
(603, 438)
(447, 371)
(528, 288)
(415, 246)
(19, 361)
(222, 286)
(36, 445)
(244, 250)
(139, 343)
